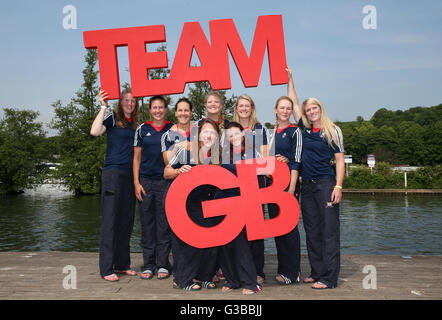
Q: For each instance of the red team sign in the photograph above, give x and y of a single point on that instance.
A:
(245, 209)
(214, 58)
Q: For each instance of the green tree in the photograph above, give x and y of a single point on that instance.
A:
(383, 117)
(412, 148)
(81, 155)
(433, 142)
(269, 125)
(386, 143)
(22, 151)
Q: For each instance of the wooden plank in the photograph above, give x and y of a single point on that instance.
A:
(40, 276)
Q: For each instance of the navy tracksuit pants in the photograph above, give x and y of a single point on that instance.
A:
(288, 247)
(237, 263)
(321, 224)
(257, 246)
(189, 262)
(235, 257)
(155, 230)
(117, 220)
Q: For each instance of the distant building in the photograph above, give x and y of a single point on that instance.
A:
(405, 168)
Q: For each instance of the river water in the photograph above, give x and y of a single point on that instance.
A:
(52, 219)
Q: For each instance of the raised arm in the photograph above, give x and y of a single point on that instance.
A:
(97, 128)
(291, 93)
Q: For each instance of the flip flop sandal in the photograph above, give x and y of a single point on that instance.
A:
(163, 270)
(226, 289)
(321, 288)
(188, 288)
(307, 280)
(285, 280)
(128, 272)
(208, 285)
(114, 279)
(249, 291)
(150, 275)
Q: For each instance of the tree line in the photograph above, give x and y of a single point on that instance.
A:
(395, 137)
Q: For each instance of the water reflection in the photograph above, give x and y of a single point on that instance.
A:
(52, 219)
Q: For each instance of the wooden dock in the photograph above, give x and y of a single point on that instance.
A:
(40, 275)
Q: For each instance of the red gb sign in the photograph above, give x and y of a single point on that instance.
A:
(214, 58)
(239, 211)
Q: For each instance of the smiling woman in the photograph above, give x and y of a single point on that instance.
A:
(321, 189)
(117, 196)
(148, 168)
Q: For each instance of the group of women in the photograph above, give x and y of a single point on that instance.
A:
(142, 161)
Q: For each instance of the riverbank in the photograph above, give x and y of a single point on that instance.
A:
(50, 275)
(394, 191)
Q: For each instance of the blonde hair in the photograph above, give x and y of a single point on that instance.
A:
(252, 119)
(276, 118)
(221, 114)
(331, 132)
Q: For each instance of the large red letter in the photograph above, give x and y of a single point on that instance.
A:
(106, 42)
(286, 221)
(269, 34)
(183, 226)
(192, 37)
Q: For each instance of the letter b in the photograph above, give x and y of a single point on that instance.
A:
(253, 198)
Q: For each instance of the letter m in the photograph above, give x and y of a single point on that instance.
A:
(269, 34)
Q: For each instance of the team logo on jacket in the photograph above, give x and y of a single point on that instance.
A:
(148, 134)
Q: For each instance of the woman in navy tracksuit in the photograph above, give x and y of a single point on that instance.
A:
(189, 262)
(180, 134)
(148, 168)
(214, 107)
(286, 143)
(117, 190)
(236, 257)
(321, 189)
(256, 136)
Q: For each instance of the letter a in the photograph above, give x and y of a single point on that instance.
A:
(370, 20)
(370, 280)
(70, 21)
(70, 281)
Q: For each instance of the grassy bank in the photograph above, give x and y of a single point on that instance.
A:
(382, 176)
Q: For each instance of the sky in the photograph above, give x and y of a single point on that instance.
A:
(352, 70)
